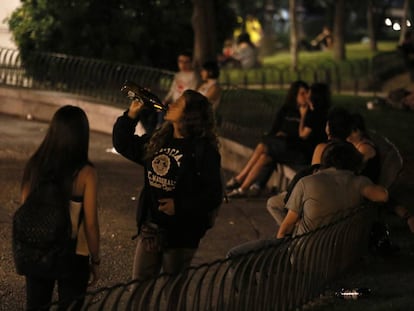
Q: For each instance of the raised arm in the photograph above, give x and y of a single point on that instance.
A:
(125, 142)
(304, 131)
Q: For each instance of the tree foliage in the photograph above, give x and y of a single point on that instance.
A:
(145, 32)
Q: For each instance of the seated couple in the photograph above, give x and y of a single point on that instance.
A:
(298, 127)
(323, 197)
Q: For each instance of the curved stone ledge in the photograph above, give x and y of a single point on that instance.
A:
(41, 105)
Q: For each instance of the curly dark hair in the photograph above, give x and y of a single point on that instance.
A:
(197, 122)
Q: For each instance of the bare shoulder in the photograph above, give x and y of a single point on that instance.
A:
(366, 148)
(88, 172)
(321, 146)
(317, 153)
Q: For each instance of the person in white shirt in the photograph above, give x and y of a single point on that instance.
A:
(185, 79)
(210, 72)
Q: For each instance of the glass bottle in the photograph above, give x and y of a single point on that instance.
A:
(136, 92)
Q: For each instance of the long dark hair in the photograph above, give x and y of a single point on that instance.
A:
(321, 97)
(340, 122)
(358, 123)
(197, 122)
(291, 96)
(289, 106)
(63, 151)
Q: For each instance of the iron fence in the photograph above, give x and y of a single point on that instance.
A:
(101, 79)
(247, 114)
(284, 275)
(355, 76)
(279, 277)
(97, 79)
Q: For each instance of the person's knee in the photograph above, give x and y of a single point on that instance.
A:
(270, 202)
(276, 201)
(264, 159)
(261, 147)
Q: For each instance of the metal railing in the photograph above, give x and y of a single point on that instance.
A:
(101, 79)
(96, 79)
(247, 114)
(283, 276)
(243, 111)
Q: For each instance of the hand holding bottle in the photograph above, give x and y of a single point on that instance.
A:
(134, 108)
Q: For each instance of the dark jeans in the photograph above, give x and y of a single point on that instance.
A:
(39, 291)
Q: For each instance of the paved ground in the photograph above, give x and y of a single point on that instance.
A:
(119, 184)
(239, 221)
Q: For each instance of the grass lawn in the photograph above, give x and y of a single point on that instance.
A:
(397, 125)
(354, 51)
(315, 65)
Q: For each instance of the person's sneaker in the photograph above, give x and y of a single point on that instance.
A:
(254, 191)
(232, 184)
(236, 193)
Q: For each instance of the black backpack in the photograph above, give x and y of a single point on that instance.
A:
(42, 244)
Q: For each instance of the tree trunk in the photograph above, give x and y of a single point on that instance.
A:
(203, 21)
(293, 34)
(339, 33)
(371, 27)
(406, 8)
(267, 46)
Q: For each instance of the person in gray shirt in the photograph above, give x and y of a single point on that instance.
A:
(330, 193)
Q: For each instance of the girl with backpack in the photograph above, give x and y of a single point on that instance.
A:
(62, 158)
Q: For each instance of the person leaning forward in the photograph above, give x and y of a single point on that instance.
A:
(330, 193)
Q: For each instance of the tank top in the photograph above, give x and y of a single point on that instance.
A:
(372, 167)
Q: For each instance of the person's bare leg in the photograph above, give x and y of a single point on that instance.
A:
(257, 153)
(255, 171)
